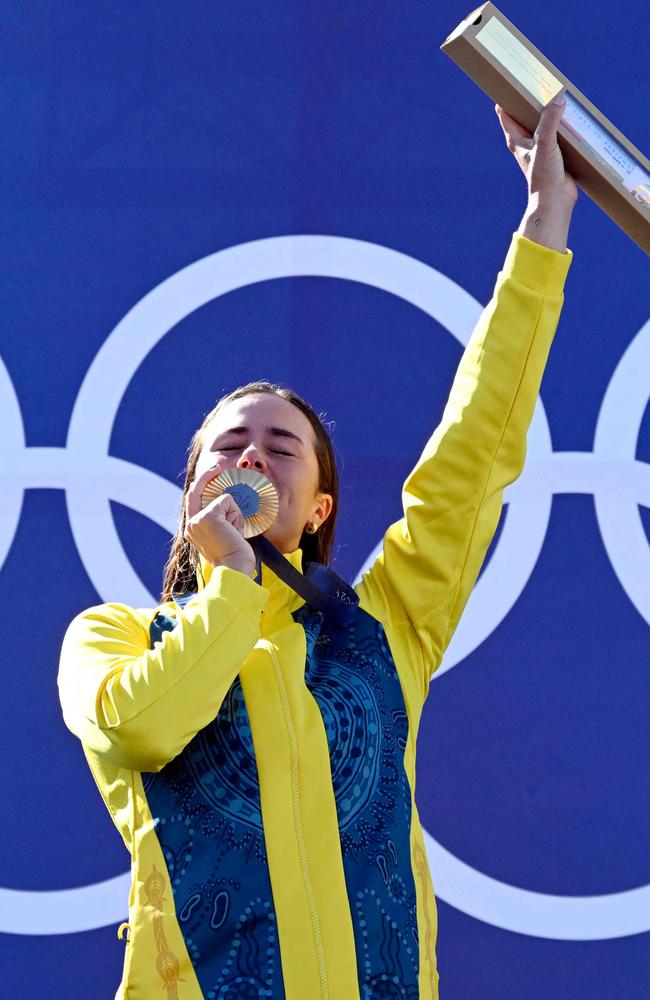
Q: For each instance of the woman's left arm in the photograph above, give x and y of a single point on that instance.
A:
(452, 500)
(552, 193)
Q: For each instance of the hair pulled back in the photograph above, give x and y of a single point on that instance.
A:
(180, 569)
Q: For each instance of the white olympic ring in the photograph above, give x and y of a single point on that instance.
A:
(91, 477)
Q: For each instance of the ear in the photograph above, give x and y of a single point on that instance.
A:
(322, 509)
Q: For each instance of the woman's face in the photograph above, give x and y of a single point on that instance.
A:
(268, 434)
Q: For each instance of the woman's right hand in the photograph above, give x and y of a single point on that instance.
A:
(217, 530)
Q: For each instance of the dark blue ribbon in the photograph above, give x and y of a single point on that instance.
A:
(319, 585)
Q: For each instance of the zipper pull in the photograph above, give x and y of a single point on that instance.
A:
(120, 929)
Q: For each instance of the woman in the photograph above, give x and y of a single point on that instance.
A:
(259, 760)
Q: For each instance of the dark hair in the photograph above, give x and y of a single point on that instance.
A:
(180, 570)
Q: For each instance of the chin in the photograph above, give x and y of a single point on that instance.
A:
(280, 540)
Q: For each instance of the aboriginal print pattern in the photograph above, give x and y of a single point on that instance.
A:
(166, 962)
(206, 809)
(351, 674)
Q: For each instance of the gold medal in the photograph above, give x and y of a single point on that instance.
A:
(254, 494)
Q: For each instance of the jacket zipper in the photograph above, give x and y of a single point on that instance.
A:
(297, 818)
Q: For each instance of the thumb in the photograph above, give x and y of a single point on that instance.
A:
(550, 118)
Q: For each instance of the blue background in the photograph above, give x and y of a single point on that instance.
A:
(138, 138)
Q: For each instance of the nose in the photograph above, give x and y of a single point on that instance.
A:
(251, 458)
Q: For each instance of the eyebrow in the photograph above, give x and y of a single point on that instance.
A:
(274, 431)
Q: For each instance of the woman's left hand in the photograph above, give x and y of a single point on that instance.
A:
(539, 155)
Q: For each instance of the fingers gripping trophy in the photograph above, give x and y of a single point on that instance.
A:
(262, 473)
(227, 509)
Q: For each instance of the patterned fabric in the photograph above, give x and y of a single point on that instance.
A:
(206, 806)
(202, 913)
(352, 676)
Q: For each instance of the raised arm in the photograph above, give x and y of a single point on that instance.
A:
(452, 500)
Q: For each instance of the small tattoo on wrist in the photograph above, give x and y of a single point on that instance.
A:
(537, 222)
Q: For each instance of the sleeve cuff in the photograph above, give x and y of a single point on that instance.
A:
(238, 589)
(536, 266)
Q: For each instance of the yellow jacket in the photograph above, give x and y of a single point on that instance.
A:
(260, 764)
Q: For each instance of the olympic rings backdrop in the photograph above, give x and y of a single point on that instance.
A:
(195, 195)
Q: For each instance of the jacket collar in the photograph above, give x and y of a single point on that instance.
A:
(281, 595)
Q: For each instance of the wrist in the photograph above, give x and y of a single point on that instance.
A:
(557, 203)
(546, 220)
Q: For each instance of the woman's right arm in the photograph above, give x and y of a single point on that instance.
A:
(138, 707)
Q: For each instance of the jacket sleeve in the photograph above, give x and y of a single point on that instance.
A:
(452, 499)
(137, 706)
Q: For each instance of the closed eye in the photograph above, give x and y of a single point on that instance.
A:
(276, 451)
